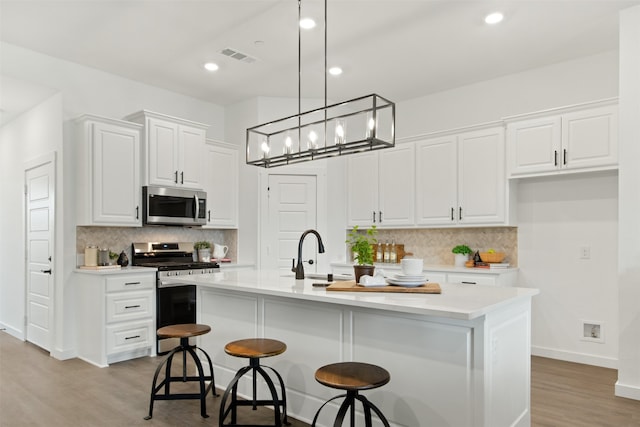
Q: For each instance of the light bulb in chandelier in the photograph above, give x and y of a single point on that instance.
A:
(340, 131)
(313, 140)
(287, 144)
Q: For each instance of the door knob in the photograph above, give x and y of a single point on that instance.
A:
(310, 262)
(46, 271)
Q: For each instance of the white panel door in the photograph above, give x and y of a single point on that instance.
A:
(221, 184)
(396, 186)
(481, 177)
(191, 149)
(362, 190)
(590, 138)
(291, 210)
(436, 181)
(40, 188)
(116, 175)
(534, 146)
(163, 152)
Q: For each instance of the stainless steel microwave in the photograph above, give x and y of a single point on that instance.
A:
(173, 206)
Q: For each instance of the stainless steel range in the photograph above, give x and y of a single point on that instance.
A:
(175, 303)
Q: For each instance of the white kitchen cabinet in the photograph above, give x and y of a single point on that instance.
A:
(564, 140)
(115, 315)
(108, 180)
(221, 184)
(381, 187)
(173, 150)
(460, 179)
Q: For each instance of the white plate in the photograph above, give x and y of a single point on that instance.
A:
(406, 283)
(405, 278)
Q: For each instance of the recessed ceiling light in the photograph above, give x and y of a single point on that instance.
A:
(493, 18)
(307, 23)
(335, 71)
(211, 66)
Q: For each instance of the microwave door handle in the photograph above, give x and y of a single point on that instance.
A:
(197, 210)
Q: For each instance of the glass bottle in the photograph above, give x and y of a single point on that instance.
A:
(392, 253)
(387, 251)
(379, 252)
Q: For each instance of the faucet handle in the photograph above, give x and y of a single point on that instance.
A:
(293, 265)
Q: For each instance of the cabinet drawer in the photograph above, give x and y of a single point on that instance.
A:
(435, 277)
(129, 337)
(473, 279)
(130, 283)
(129, 306)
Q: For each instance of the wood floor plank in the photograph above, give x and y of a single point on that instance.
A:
(38, 390)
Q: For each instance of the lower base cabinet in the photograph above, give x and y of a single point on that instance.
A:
(115, 316)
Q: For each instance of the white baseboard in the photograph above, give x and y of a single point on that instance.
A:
(567, 356)
(64, 354)
(630, 392)
(12, 331)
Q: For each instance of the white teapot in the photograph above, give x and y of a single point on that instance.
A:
(219, 251)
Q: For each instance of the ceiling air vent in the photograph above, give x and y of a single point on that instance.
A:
(232, 53)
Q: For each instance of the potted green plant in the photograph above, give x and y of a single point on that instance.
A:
(361, 246)
(462, 253)
(204, 250)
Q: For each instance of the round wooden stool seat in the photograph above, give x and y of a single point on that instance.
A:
(255, 348)
(352, 376)
(184, 330)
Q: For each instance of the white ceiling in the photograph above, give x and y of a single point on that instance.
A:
(399, 49)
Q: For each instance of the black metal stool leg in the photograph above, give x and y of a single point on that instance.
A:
(347, 403)
(369, 406)
(315, 418)
(231, 388)
(283, 393)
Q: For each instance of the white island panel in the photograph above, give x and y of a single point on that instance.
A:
(461, 358)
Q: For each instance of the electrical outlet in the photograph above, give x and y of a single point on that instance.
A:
(585, 252)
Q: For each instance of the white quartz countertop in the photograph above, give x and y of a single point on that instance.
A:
(123, 270)
(457, 301)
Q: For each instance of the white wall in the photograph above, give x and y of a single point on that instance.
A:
(557, 216)
(81, 90)
(628, 384)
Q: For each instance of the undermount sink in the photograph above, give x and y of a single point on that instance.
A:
(322, 276)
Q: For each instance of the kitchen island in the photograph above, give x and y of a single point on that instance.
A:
(459, 358)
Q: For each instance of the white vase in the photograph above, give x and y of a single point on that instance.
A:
(204, 255)
(461, 259)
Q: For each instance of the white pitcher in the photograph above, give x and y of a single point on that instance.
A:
(219, 251)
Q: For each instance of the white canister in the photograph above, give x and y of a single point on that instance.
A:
(91, 256)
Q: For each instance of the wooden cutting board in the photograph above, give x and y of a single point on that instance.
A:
(351, 286)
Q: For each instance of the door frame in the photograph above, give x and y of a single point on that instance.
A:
(321, 201)
(29, 165)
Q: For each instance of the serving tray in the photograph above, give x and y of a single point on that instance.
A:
(351, 286)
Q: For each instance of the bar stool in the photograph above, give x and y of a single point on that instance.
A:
(254, 349)
(184, 332)
(352, 377)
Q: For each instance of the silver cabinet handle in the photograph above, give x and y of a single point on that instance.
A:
(131, 283)
(176, 177)
(182, 177)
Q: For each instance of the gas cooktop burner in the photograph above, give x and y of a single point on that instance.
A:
(168, 256)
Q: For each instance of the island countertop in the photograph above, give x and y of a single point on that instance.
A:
(457, 301)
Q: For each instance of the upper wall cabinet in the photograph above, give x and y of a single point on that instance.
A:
(381, 187)
(172, 150)
(221, 184)
(460, 179)
(108, 181)
(576, 139)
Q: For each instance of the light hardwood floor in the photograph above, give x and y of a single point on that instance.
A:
(38, 390)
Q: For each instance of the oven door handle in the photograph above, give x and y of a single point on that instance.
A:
(171, 284)
(197, 209)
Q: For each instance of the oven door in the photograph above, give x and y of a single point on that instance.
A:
(175, 304)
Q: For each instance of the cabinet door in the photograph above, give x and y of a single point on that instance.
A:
(362, 189)
(190, 151)
(221, 185)
(163, 153)
(590, 138)
(396, 186)
(534, 146)
(115, 175)
(436, 181)
(481, 177)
